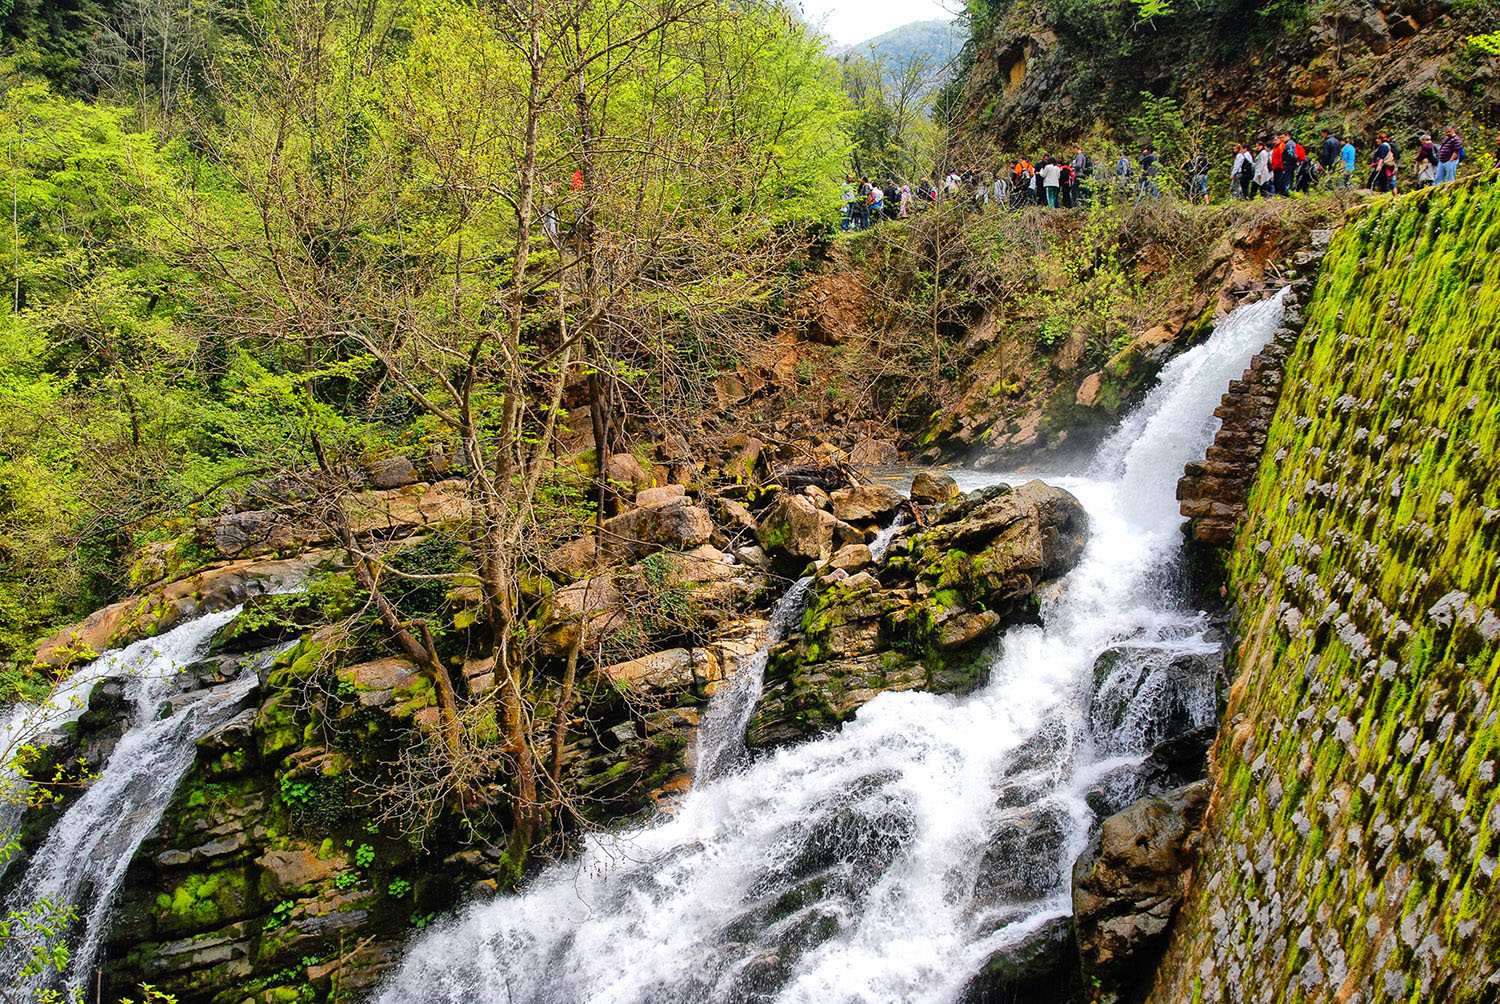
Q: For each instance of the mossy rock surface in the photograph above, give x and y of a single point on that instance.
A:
(1352, 850)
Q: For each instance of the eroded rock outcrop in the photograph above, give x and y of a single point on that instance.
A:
(1128, 885)
(920, 620)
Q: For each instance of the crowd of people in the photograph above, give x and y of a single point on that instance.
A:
(1275, 166)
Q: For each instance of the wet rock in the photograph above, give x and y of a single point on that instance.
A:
(928, 488)
(1041, 967)
(1128, 884)
(922, 619)
(1023, 858)
(267, 620)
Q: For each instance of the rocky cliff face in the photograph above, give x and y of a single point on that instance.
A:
(278, 872)
(1350, 848)
(1044, 74)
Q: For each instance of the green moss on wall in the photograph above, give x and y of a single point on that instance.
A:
(1352, 852)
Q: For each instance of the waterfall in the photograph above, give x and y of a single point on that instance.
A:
(885, 862)
(83, 859)
(721, 734)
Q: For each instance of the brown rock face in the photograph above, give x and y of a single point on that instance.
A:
(796, 529)
(928, 488)
(217, 587)
(865, 503)
(1127, 887)
(675, 524)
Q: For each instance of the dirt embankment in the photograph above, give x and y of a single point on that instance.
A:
(998, 339)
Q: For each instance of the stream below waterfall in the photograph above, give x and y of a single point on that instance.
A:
(887, 861)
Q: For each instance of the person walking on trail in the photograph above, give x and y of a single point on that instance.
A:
(849, 196)
(862, 205)
(1329, 158)
(1383, 165)
(1051, 180)
(1285, 163)
(926, 194)
(1195, 175)
(1023, 184)
(1278, 170)
(1083, 167)
(1450, 155)
(1328, 153)
(1307, 170)
(904, 193)
(1265, 173)
(1426, 162)
(1350, 159)
(1000, 195)
(1149, 163)
(1242, 173)
(877, 204)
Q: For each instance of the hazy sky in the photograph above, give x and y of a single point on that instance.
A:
(851, 21)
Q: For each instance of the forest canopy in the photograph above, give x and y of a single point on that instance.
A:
(344, 225)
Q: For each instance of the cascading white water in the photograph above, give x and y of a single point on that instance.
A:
(885, 862)
(721, 733)
(83, 859)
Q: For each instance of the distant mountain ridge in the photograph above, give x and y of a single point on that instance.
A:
(939, 39)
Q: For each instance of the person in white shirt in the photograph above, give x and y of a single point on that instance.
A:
(1241, 173)
(1263, 174)
(1002, 190)
(1051, 181)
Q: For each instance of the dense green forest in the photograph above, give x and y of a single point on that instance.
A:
(242, 236)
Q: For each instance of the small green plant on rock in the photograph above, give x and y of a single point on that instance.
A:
(280, 914)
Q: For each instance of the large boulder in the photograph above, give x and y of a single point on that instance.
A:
(795, 530)
(674, 524)
(928, 488)
(1038, 967)
(394, 472)
(1127, 887)
(865, 503)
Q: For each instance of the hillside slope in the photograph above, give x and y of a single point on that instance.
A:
(1045, 71)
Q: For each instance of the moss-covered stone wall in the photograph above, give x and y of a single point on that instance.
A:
(1352, 844)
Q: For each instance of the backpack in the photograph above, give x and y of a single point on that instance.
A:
(1301, 153)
